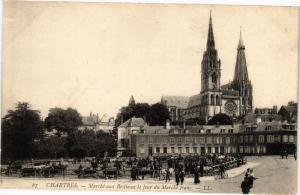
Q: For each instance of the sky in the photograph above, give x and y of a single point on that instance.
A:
(94, 56)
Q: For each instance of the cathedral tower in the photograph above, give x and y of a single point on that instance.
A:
(211, 74)
(241, 80)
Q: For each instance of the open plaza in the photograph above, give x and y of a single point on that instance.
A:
(274, 175)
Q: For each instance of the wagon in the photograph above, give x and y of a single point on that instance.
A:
(25, 172)
(85, 173)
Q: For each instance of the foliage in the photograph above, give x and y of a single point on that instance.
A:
(220, 119)
(90, 143)
(64, 121)
(52, 147)
(158, 114)
(78, 144)
(140, 110)
(20, 129)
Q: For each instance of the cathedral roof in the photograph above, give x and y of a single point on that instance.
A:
(230, 92)
(194, 100)
(177, 101)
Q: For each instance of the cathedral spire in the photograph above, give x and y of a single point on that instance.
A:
(241, 72)
(241, 43)
(131, 101)
(210, 65)
(210, 37)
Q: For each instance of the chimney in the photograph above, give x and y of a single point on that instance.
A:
(168, 124)
(91, 114)
(275, 109)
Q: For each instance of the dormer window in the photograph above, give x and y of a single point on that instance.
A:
(142, 131)
(268, 128)
(222, 131)
(208, 131)
(230, 130)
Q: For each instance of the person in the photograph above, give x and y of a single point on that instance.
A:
(247, 173)
(167, 174)
(133, 173)
(177, 176)
(245, 186)
(80, 171)
(222, 170)
(238, 162)
(201, 169)
(286, 154)
(251, 178)
(181, 175)
(196, 175)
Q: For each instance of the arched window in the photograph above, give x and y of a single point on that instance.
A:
(212, 100)
(214, 78)
(217, 100)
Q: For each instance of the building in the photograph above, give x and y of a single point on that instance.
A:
(289, 112)
(175, 105)
(234, 98)
(95, 123)
(125, 130)
(266, 110)
(267, 138)
(160, 141)
(248, 139)
(250, 118)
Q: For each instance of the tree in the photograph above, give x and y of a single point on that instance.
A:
(51, 147)
(89, 143)
(20, 129)
(158, 114)
(140, 110)
(220, 119)
(64, 121)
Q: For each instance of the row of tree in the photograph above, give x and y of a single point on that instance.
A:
(24, 132)
(23, 135)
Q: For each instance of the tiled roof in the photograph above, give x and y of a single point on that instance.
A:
(89, 120)
(230, 92)
(195, 100)
(190, 129)
(178, 101)
(291, 109)
(226, 86)
(133, 122)
(155, 130)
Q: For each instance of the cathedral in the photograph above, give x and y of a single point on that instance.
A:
(234, 99)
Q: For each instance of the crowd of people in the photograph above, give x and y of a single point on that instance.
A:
(166, 166)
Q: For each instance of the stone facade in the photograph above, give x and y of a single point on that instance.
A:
(256, 138)
(235, 98)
